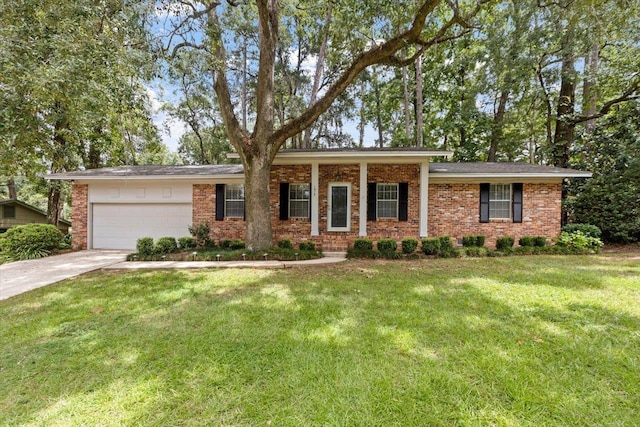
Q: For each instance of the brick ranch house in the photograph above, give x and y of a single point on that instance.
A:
(330, 197)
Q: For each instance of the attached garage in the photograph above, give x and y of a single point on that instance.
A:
(120, 225)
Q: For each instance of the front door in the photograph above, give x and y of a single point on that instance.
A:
(339, 206)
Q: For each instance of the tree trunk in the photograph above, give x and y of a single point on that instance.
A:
(306, 141)
(258, 220)
(589, 91)
(11, 187)
(496, 129)
(243, 99)
(58, 156)
(407, 111)
(376, 95)
(419, 116)
(565, 126)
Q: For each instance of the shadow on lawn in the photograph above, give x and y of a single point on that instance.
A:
(318, 346)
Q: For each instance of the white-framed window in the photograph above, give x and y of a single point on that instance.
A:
(387, 200)
(234, 201)
(500, 201)
(299, 200)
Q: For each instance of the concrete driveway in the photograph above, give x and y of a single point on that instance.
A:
(22, 276)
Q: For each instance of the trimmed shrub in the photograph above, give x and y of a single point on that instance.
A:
(539, 241)
(225, 244)
(480, 239)
(586, 229)
(476, 251)
(307, 246)
(144, 246)
(526, 241)
(409, 245)
(430, 246)
(363, 245)
(187, 243)
(200, 232)
(468, 241)
(446, 248)
(387, 245)
(504, 243)
(31, 241)
(236, 244)
(285, 244)
(166, 245)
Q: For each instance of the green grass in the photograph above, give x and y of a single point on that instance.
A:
(532, 341)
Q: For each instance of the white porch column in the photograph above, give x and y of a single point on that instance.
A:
(363, 199)
(424, 198)
(315, 205)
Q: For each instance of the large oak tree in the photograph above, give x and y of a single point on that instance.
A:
(408, 26)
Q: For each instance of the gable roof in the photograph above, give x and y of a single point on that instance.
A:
(13, 202)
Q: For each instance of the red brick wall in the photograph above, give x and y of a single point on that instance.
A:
(294, 229)
(454, 210)
(79, 215)
(204, 212)
(392, 228)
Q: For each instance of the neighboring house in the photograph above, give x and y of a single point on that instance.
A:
(330, 197)
(14, 212)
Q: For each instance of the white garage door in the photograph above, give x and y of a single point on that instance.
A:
(119, 226)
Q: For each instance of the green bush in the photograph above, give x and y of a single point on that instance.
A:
(362, 253)
(285, 244)
(166, 245)
(363, 245)
(387, 245)
(586, 229)
(144, 246)
(579, 241)
(237, 244)
(480, 239)
(225, 244)
(307, 246)
(31, 241)
(504, 243)
(200, 233)
(446, 248)
(539, 241)
(526, 241)
(187, 243)
(409, 245)
(430, 246)
(468, 241)
(476, 251)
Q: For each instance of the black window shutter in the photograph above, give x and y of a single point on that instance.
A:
(310, 193)
(403, 201)
(517, 202)
(219, 202)
(284, 200)
(372, 190)
(484, 202)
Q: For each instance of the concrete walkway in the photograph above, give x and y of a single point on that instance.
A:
(22, 276)
(141, 265)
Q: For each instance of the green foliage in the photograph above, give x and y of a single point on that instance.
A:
(363, 245)
(31, 241)
(144, 246)
(475, 251)
(200, 232)
(409, 245)
(387, 245)
(473, 241)
(586, 229)
(166, 245)
(186, 243)
(539, 241)
(232, 245)
(526, 241)
(307, 246)
(447, 249)
(504, 243)
(285, 244)
(579, 241)
(430, 246)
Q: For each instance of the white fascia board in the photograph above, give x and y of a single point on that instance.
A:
(476, 176)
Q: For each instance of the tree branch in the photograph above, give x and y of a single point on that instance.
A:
(630, 94)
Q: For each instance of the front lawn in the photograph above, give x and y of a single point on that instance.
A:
(545, 340)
